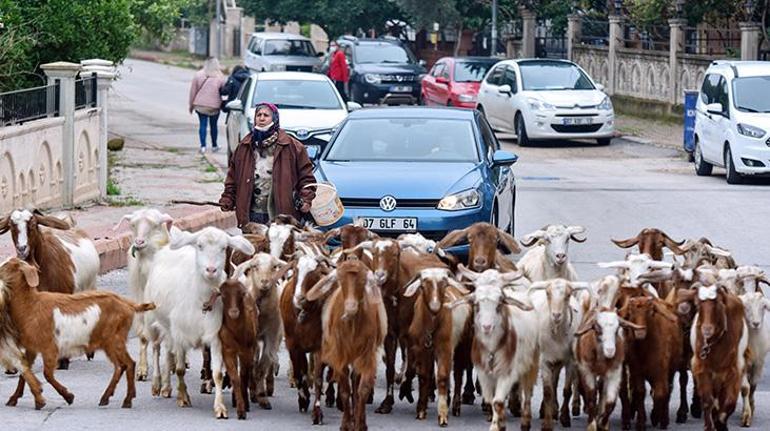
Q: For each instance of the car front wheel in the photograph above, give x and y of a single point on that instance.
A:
(733, 177)
(702, 167)
(521, 131)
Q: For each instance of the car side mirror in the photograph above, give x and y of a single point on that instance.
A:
(442, 80)
(715, 108)
(422, 63)
(352, 106)
(319, 54)
(600, 87)
(505, 89)
(503, 158)
(235, 105)
(313, 151)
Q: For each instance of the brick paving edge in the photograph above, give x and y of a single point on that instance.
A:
(113, 251)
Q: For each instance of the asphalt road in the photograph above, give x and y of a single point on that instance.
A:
(613, 191)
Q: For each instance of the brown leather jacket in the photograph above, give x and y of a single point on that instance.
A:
(292, 170)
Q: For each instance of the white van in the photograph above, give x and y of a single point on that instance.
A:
(732, 120)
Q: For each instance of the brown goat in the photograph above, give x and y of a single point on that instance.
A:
(57, 325)
(720, 347)
(484, 240)
(303, 331)
(354, 327)
(651, 242)
(653, 355)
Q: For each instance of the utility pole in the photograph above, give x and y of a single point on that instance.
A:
(219, 29)
(493, 50)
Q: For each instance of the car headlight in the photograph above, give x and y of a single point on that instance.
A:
(606, 104)
(460, 201)
(373, 78)
(539, 105)
(467, 98)
(750, 131)
(277, 67)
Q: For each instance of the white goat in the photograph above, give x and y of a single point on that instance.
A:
(636, 265)
(549, 258)
(150, 231)
(755, 305)
(182, 279)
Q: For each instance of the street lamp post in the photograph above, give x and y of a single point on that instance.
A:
(749, 6)
(493, 50)
(680, 8)
(618, 7)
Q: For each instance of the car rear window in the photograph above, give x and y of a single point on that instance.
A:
(300, 48)
(405, 140)
(553, 75)
(296, 94)
(471, 71)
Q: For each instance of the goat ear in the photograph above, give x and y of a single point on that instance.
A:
(531, 238)
(334, 233)
(412, 286)
(716, 251)
(282, 271)
(509, 242)
(516, 303)
(459, 286)
(453, 238)
(241, 244)
(586, 326)
(52, 222)
(626, 243)
(661, 308)
(167, 220)
(766, 303)
(123, 219)
(322, 287)
(30, 274)
(181, 238)
(5, 224)
(467, 299)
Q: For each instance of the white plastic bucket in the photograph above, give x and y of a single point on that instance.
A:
(327, 207)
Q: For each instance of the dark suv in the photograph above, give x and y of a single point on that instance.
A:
(382, 71)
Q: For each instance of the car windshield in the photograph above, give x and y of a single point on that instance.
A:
(296, 94)
(750, 94)
(552, 75)
(405, 140)
(301, 48)
(471, 71)
(382, 53)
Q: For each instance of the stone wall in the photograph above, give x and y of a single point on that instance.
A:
(31, 162)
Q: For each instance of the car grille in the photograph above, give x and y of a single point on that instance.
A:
(398, 78)
(435, 235)
(299, 68)
(582, 128)
(577, 115)
(401, 203)
(310, 140)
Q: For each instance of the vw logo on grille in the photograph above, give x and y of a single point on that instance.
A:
(399, 78)
(388, 203)
(302, 133)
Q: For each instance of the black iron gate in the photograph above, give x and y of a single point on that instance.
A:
(550, 42)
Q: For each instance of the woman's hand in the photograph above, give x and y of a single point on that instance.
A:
(305, 207)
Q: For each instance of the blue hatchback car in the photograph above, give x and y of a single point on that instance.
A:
(418, 169)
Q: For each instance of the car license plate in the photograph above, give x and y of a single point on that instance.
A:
(576, 121)
(401, 89)
(405, 224)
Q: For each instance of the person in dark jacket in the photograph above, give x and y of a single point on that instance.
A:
(269, 173)
(234, 82)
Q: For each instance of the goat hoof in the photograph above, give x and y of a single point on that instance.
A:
(318, 416)
(38, 404)
(183, 400)
(370, 400)
(206, 387)
(575, 409)
(421, 415)
(242, 414)
(12, 402)
(64, 364)
(11, 371)
(695, 410)
(265, 404)
(432, 397)
(303, 404)
(386, 406)
(681, 416)
(90, 356)
(127, 404)
(69, 397)
(468, 398)
(165, 392)
(456, 409)
(104, 402)
(220, 412)
(405, 391)
(443, 422)
(141, 377)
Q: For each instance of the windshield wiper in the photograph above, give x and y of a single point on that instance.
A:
(282, 106)
(393, 61)
(748, 109)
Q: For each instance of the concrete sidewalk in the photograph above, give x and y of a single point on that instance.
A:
(653, 132)
(159, 162)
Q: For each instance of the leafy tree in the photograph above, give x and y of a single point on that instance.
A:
(16, 45)
(157, 17)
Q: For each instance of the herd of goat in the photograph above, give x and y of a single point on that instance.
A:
(342, 299)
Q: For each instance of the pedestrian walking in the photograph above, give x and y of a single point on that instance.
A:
(268, 173)
(233, 85)
(206, 101)
(338, 69)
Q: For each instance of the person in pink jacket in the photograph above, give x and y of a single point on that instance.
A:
(206, 101)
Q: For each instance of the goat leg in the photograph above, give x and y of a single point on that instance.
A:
(299, 370)
(206, 371)
(390, 370)
(119, 369)
(318, 378)
(49, 364)
(141, 369)
(681, 413)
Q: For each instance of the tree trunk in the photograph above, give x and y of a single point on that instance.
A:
(459, 39)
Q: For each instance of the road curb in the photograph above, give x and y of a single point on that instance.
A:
(638, 140)
(113, 251)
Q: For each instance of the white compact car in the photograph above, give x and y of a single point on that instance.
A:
(309, 106)
(545, 99)
(732, 120)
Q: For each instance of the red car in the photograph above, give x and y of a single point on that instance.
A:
(454, 81)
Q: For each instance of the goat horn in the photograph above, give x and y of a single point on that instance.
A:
(672, 245)
(716, 251)
(630, 325)
(464, 300)
(615, 264)
(471, 275)
(538, 285)
(576, 230)
(626, 243)
(516, 303)
(5, 224)
(531, 238)
(120, 223)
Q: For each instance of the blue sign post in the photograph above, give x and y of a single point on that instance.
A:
(690, 100)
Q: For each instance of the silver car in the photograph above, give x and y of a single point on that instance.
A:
(274, 52)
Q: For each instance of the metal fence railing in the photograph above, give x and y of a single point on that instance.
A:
(648, 37)
(712, 41)
(85, 92)
(17, 107)
(595, 32)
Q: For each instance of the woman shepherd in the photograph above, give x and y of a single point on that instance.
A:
(268, 173)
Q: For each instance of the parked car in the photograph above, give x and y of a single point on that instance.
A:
(382, 71)
(732, 120)
(309, 104)
(419, 169)
(455, 81)
(546, 99)
(281, 51)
